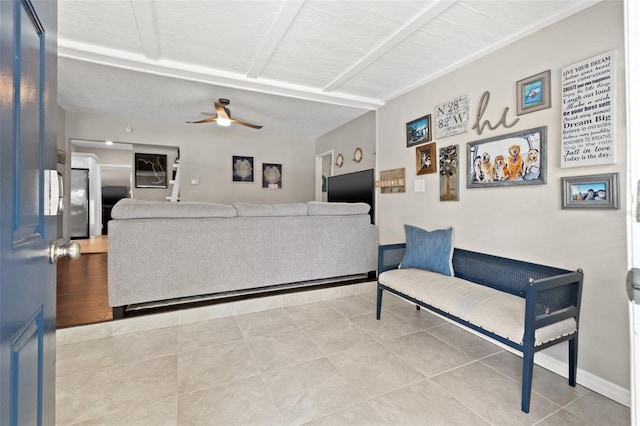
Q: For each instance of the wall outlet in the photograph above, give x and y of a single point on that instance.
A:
(195, 182)
(418, 185)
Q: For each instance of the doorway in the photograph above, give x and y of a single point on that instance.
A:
(324, 170)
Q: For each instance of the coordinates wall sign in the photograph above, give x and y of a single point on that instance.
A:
(588, 111)
(452, 117)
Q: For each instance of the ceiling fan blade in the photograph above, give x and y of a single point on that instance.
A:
(209, 114)
(244, 123)
(204, 120)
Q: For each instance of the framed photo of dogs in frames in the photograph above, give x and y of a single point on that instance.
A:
(514, 159)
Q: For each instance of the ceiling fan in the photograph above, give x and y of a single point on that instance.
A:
(222, 116)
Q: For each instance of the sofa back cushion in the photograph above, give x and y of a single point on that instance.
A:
(318, 208)
(128, 208)
(290, 209)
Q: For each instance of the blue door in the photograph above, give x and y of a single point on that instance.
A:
(28, 45)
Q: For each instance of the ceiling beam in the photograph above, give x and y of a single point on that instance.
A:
(280, 26)
(499, 44)
(129, 61)
(144, 12)
(427, 15)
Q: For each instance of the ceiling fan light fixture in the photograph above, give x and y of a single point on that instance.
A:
(223, 121)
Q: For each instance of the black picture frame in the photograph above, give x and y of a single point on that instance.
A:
(271, 176)
(242, 169)
(419, 131)
(151, 170)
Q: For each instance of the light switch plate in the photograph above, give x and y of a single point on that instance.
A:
(418, 185)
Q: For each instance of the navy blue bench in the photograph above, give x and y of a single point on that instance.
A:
(551, 299)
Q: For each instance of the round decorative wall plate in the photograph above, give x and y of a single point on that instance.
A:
(357, 155)
(339, 160)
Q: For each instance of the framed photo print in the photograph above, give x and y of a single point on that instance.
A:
(242, 168)
(449, 181)
(508, 160)
(272, 176)
(151, 170)
(426, 159)
(419, 131)
(534, 93)
(590, 192)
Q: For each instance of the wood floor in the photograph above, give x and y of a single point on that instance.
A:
(82, 286)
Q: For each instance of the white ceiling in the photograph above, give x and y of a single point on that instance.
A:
(299, 67)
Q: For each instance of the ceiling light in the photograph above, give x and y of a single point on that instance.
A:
(109, 142)
(223, 122)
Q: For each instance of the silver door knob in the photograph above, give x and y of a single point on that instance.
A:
(59, 249)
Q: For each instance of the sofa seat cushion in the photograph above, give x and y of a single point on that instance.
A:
(495, 311)
(271, 210)
(318, 208)
(128, 208)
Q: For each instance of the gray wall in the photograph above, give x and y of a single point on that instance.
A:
(528, 222)
(344, 140)
(206, 155)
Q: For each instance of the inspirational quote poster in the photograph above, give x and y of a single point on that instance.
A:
(588, 111)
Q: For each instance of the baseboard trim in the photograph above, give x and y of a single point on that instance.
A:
(586, 379)
(583, 378)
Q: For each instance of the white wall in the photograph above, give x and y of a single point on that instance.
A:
(206, 155)
(527, 222)
(358, 133)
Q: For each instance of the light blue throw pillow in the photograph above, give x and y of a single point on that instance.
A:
(430, 250)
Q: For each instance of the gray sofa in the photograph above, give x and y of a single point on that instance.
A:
(161, 252)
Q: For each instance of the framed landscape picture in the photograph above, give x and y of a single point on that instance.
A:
(534, 93)
(419, 130)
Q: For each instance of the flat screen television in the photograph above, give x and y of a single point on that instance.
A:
(356, 187)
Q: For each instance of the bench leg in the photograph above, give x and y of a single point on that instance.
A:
(118, 312)
(527, 378)
(573, 360)
(379, 303)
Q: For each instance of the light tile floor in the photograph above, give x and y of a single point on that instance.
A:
(327, 362)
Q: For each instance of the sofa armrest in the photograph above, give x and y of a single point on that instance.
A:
(390, 256)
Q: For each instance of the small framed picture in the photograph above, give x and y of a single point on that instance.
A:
(272, 176)
(534, 93)
(242, 168)
(426, 159)
(151, 170)
(449, 180)
(590, 192)
(419, 131)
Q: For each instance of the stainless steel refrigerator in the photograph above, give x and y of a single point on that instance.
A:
(79, 205)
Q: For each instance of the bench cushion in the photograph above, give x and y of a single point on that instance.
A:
(493, 310)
